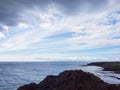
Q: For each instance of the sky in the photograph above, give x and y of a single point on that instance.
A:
(59, 30)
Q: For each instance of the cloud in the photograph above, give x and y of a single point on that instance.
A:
(2, 35)
(48, 58)
(60, 26)
(10, 9)
(66, 34)
(79, 6)
(3, 28)
(23, 25)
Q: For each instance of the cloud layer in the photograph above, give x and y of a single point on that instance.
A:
(10, 9)
(78, 28)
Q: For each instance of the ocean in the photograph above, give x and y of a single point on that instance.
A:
(15, 74)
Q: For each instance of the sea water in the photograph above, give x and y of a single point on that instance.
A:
(15, 74)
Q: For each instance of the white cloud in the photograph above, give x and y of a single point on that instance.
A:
(2, 35)
(23, 25)
(90, 31)
(55, 57)
(5, 28)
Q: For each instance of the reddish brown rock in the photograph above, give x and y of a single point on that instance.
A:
(71, 80)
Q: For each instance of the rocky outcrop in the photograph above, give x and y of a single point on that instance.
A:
(107, 66)
(71, 80)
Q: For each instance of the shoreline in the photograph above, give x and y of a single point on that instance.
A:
(71, 80)
(107, 66)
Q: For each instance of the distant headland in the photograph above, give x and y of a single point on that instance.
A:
(107, 66)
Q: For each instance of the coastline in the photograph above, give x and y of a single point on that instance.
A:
(71, 80)
(107, 66)
(33, 72)
(67, 80)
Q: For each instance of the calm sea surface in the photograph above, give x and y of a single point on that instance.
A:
(15, 74)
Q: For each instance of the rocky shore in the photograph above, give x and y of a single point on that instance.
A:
(71, 80)
(107, 66)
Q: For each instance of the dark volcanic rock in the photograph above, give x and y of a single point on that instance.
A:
(107, 66)
(32, 86)
(71, 80)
